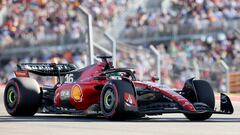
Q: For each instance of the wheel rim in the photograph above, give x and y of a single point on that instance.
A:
(11, 96)
(109, 100)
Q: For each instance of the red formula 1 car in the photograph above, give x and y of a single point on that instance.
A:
(104, 90)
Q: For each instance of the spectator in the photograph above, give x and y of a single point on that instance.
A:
(190, 16)
(32, 22)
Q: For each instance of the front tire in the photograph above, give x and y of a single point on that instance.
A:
(205, 95)
(112, 102)
(22, 97)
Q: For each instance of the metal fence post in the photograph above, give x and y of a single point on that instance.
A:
(114, 48)
(102, 48)
(196, 68)
(158, 57)
(226, 67)
(90, 36)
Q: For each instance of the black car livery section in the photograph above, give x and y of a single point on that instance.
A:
(47, 69)
(65, 71)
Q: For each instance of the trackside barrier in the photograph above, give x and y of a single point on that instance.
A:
(92, 44)
(234, 82)
(101, 49)
(158, 64)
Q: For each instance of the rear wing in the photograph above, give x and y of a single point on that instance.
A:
(46, 69)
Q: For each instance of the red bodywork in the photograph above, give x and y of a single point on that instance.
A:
(91, 95)
(87, 83)
(169, 93)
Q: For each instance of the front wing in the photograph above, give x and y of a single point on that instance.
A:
(160, 108)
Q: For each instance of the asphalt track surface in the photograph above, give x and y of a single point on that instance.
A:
(168, 124)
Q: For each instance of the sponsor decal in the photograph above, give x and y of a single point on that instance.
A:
(129, 100)
(39, 67)
(21, 73)
(64, 94)
(77, 93)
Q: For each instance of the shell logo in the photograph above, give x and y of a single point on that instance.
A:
(76, 93)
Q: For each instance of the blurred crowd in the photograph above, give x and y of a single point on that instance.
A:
(181, 60)
(177, 60)
(39, 22)
(181, 16)
(33, 22)
(189, 17)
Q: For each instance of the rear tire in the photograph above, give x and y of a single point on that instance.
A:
(205, 95)
(22, 97)
(112, 99)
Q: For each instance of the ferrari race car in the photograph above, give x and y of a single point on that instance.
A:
(103, 90)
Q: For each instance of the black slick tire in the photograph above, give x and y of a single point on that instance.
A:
(22, 96)
(112, 99)
(205, 95)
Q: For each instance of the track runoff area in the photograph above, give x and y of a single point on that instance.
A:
(167, 124)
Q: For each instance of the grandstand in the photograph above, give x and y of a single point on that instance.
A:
(195, 38)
